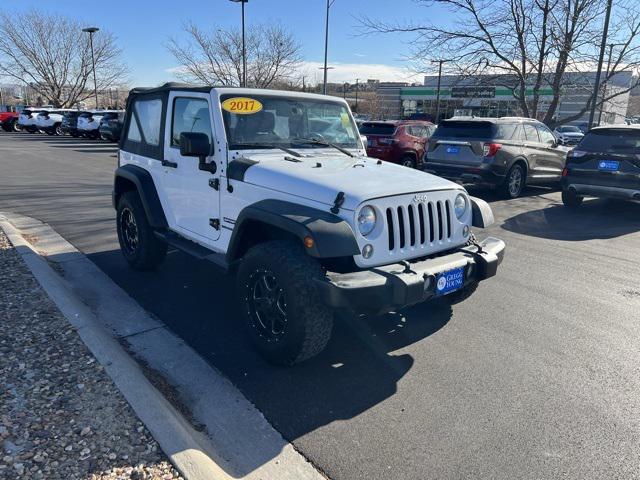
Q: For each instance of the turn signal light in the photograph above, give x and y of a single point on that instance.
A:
(565, 171)
(308, 242)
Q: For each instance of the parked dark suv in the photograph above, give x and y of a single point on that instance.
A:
(402, 141)
(507, 153)
(606, 163)
(69, 123)
(111, 126)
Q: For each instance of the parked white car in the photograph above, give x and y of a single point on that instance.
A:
(27, 119)
(568, 134)
(50, 121)
(89, 123)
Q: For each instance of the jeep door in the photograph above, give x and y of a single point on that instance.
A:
(195, 204)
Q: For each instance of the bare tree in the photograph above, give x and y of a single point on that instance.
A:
(530, 47)
(51, 55)
(273, 54)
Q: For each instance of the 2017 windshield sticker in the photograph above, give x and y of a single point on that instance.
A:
(242, 105)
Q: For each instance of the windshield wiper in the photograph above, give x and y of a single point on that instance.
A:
(268, 145)
(316, 141)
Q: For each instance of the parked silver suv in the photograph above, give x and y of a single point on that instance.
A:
(507, 152)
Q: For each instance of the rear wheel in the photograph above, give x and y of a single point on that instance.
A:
(408, 162)
(571, 199)
(15, 126)
(58, 130)
(285, 317)
(139, 245)
(514, 181)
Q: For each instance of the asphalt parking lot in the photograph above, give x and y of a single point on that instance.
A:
(535, 376)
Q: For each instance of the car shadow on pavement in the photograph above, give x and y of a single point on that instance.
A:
(492, 195)
(359, 369)
(597, 218)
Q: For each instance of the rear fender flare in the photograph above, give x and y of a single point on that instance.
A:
(143, 182)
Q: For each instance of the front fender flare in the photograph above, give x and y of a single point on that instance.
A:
(482, 213)
(332, 236)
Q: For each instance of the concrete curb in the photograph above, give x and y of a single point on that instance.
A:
(238, 442)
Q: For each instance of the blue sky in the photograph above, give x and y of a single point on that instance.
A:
(143, 26)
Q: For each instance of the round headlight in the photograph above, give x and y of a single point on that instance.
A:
(366, 220)
(460, 205)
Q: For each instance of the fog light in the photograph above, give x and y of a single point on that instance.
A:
(465, 231)
(367, 250)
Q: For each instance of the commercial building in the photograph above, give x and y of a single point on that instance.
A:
(491, 96)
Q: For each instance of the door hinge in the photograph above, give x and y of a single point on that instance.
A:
(215, 223)
(214, 183)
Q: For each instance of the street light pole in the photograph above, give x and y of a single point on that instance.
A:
(326, 46)
(91, 31)
(603, 44)
(244, 46)
(357, 88)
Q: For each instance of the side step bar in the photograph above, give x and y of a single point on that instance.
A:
(193, 249)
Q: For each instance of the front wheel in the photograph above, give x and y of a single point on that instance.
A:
(408, 162)
(284, 315)
(138, 243)
(514, 182)
(58, 130)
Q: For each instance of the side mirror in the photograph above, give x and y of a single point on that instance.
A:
(194, 144)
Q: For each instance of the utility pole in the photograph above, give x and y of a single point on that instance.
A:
(439, 62)
(357, 82)
(244, 47)
(606, 80)
(326, 46)
(91, 31)
(603, 44)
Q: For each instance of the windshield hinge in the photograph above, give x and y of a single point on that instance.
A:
(215, 223)
(214, 183)
(337, 203)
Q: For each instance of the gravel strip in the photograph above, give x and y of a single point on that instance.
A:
(61, 416)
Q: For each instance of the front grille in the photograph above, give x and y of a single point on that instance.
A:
(418, 224)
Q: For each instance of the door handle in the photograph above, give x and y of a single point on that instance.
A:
(167, 163)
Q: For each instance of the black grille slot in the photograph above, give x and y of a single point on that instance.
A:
(431, 223)
(390, 228)
(440, 229)
(412, 226)
(447, 207)
(421, 219)
(401, 226)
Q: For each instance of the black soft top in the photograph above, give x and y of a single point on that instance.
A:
(171, 86)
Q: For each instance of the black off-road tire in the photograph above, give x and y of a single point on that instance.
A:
(148, 251)
(509, 190)
(461, 295)
(571, 199)
(307, 328)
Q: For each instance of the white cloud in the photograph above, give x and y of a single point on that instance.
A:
(348, 72)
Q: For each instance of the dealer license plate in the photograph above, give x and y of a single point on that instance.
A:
(447, 282)
(453, 149)
(608, 165)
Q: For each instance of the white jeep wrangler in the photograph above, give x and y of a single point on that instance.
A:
(281, 194)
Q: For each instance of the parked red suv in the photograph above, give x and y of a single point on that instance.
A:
(9, 121)
(401, 141)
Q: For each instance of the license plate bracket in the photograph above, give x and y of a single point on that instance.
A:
(608, 165)
(449, 281)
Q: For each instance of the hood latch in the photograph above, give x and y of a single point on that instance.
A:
(337, 203)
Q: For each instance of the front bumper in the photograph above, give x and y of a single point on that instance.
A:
(394, 286)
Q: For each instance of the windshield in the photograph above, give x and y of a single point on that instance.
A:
(266, 121)
(569, 129)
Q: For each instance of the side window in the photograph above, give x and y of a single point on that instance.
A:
(190, 115)
(531, 133)
(507, 131)
(518, 135)
(134, 132)
(149, 114)
(546, 136)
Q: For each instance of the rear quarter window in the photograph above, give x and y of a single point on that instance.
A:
(465, 130)
(614, 140)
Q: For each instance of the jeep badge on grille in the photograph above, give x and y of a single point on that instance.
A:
(420, 198)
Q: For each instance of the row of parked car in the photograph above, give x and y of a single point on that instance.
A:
(104, 124)
(511, 152)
